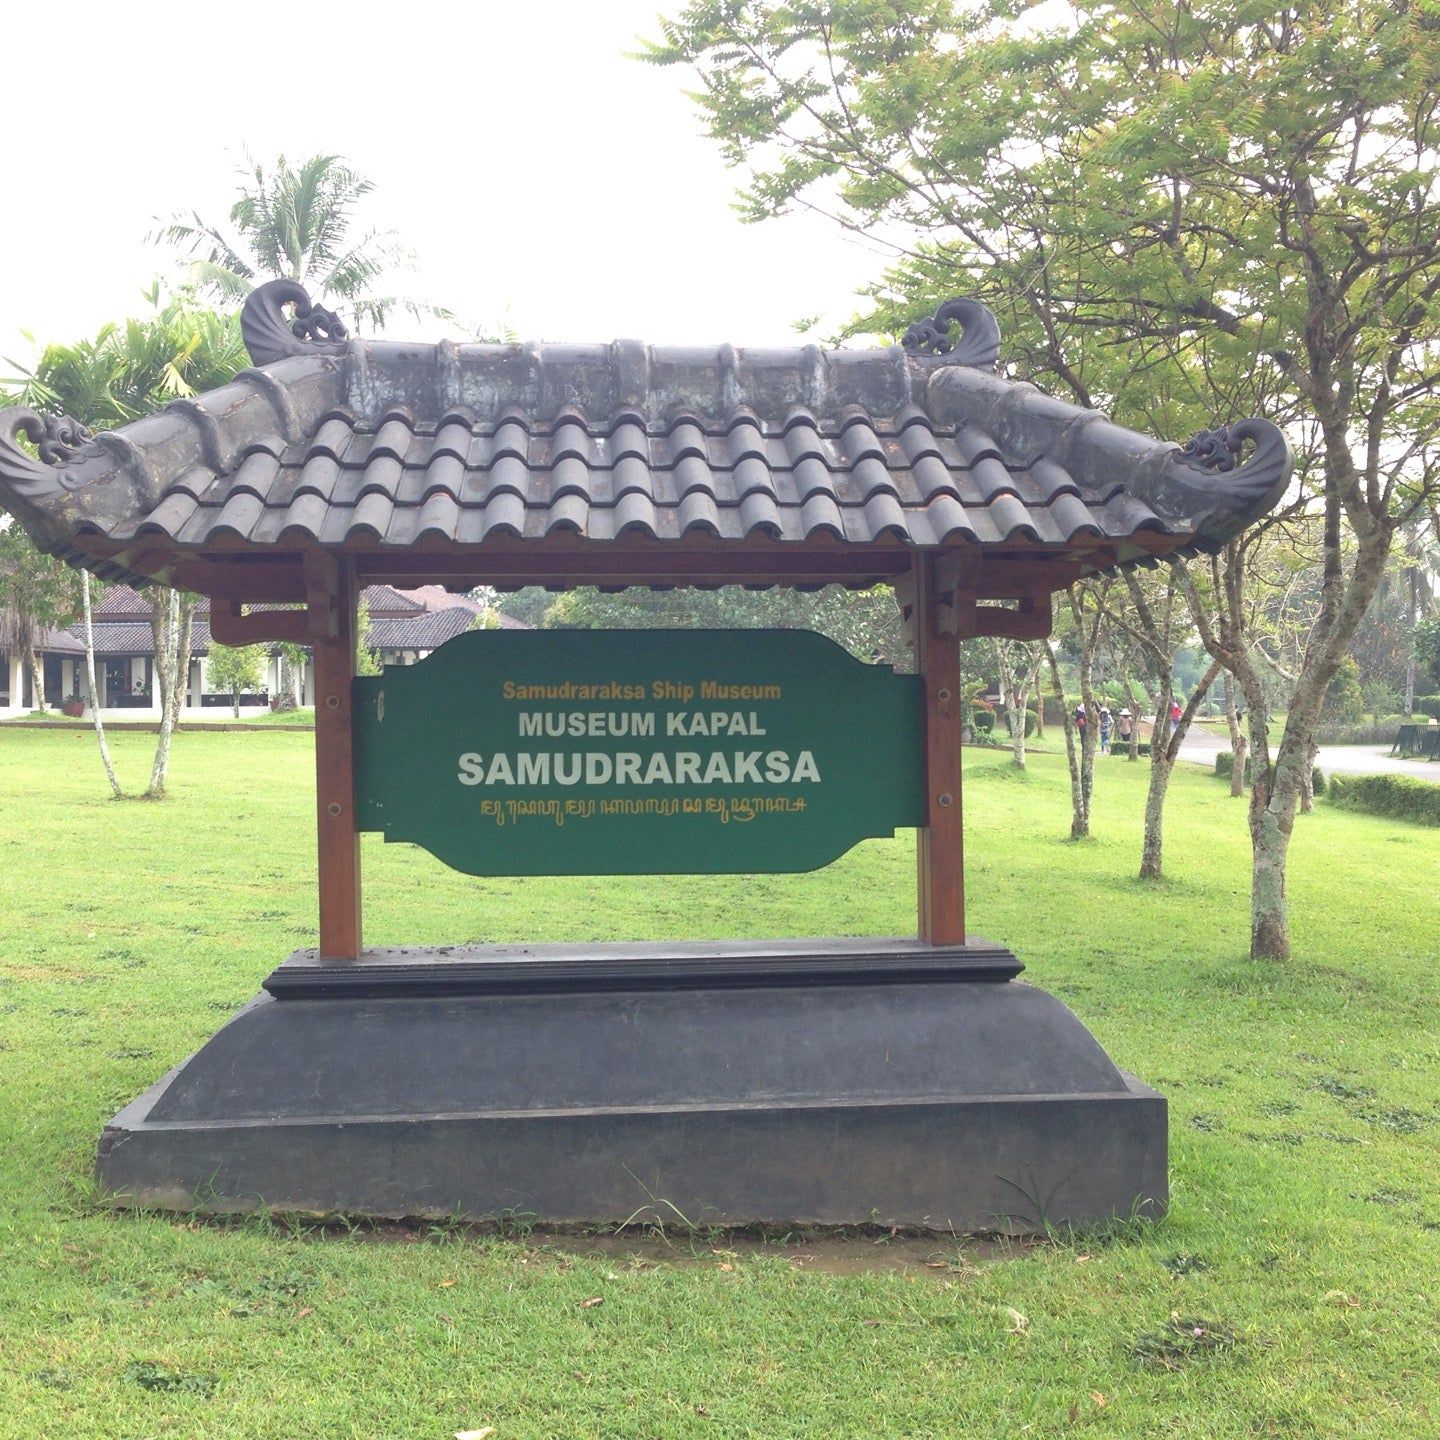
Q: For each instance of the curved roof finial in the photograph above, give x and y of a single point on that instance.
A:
(270, 335)
(979, 342)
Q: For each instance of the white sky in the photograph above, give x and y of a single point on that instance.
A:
(542, 178)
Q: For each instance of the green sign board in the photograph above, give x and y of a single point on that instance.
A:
(632, 752)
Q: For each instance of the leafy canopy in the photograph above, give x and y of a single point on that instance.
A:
(130, 369)
(1154, 196)
(294, 223)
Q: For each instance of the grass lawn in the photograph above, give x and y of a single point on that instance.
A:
(1305, 1229)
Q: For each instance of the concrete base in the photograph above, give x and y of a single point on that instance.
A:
(835, 1082)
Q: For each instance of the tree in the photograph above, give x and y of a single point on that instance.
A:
(294, 223)
(1159, 613)
(124, 372)
(37, 593)
(1185, 214)
(1018, 664)
(293, 658)
(367, 656)
(865, 622)
(96, 719)
(236, 668)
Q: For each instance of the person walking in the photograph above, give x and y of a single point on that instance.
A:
(1107, 725)
(1124, 726)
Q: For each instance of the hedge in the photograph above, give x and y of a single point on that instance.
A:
(1225, 767)
(1381, 732)
(1428, 705)
(1397, 797)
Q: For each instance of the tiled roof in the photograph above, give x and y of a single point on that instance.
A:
(61, 642)
(382, 445)
(436, 597)
(392, 603)
(423, 632)
(399, 620)
(134, 638)
(856, 478)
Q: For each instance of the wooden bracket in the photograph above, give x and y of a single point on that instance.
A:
(905, 593)
(231, 626)
(318, 620)
(1030, 620)
(322, 595)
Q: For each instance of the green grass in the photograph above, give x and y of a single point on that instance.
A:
(1291, 1292)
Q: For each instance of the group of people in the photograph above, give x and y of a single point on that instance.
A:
(1117, 727)
(1112, 727)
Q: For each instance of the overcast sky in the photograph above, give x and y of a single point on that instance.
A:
(542, 179)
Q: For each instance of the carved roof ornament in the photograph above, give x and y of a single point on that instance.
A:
(57, 440)
(1214, 449)
(979, 342)
(1220, 481)
(309, 329)
(345, 444)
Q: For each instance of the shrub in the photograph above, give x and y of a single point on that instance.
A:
(1397, 797)
(984, 721)
(1225, 765)
(1428, 705)
(1225, 768)
(1344, 699)
(1122, 747)
(1382, 732)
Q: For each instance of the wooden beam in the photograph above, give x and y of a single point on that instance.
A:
(231, 626)
(939, 853)
(1030, 620)
(332, 583)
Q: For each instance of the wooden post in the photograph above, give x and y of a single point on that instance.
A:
(939, 853)
(332, 607)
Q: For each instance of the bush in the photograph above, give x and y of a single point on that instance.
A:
(1225, 765)
(1382, 732)
(1225, 768)
(1344, 699)
(1428, 705)
(1397, 797)
(1122, 747)
(984, 721)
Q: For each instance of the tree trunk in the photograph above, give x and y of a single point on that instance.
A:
(1015, 718)
(1132, 704)
(180, 689)
(1412, 576)
(1014, 695)
(37, 678)
(165, 625)
(1274, 802)
(1239, 745)
(1152, 850)
(1079, 800)
(94, 692)
(1089, 736)
(1165, 742)
(1307, 782)
(235, 703)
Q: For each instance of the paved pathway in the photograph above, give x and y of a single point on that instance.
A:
(1202, 746)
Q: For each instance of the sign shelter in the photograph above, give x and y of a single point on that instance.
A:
(906, 1079)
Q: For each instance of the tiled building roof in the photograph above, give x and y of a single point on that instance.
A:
(853, 478)
(399, 620)
(383, 447)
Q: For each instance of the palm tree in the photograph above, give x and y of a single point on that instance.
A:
(295, 223)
